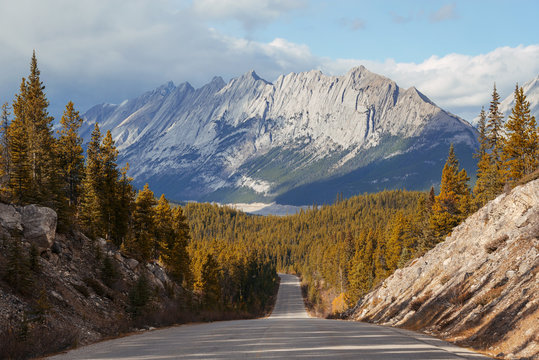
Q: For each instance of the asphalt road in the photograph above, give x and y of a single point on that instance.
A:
(288, 333)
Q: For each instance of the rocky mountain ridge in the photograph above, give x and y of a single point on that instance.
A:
(478, 288)
(251, 140)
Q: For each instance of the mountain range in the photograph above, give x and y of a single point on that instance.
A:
(306, 138)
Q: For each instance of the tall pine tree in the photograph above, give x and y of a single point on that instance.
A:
(5, 162)
(109, 184)
(483, 165)
(41, 143)
(91, 214)
(495, 175)
(70, 154)
(20, 179)
(142, 241)
(520, 148)
(451, 206)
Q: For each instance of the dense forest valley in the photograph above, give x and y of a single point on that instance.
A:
(219, 262)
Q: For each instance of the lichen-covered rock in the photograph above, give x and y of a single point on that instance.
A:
(39, 225)
(480, 287)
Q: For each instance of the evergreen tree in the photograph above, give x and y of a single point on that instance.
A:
(20, 174)
(164, 231)
(125, 198)
(18, 273)
(90, 208)
(142, 241)
(108, 155)
(70, 154)
(395, 241)
(495, 175)
(178, 255)
(41, 143)
(520, 148)
(5, 162)
(483, 165)
(210, 288)
(451, 206)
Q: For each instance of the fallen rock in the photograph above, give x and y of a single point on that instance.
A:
(10, 218)
(39, 224)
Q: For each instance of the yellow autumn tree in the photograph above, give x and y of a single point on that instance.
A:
(452, 205)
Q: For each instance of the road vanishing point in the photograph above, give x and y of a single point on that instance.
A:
(288, 333)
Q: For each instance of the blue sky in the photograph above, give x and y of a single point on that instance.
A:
(407, 31)
(108, 50)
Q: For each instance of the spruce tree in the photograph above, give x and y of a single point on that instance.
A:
(451, 206)
(483, 164)
(91, 214)
(19, 182)
(70, 154)
(211, 290)
(164, 231)
(178, 256)
(520, 148)
(141, 243)
(495, 175)
(5, 162)
(108, 155)
(41, 143)
(125, 198)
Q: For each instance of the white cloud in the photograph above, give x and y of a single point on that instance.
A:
(456, 82)
(250, 13)
(107, 51)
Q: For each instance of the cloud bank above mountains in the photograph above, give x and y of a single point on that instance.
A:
(107, 51)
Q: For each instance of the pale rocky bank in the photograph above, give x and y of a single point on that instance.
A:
(479, 288)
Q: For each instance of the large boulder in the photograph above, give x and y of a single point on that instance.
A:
(10, 218)
(39, 225)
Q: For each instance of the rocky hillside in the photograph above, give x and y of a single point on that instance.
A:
(304, 138)
(58, 291)
(478, 288)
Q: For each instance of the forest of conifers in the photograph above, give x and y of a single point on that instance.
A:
(227, 258)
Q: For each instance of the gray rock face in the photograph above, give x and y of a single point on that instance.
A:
(254, 137)
(10, 218)
(479, 287)
(39, 225)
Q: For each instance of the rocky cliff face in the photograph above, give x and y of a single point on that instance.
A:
(253, 140)
(479, 288)
(71, 290)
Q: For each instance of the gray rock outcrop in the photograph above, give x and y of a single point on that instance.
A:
(10, 218)
(479, 288)
(37, 224)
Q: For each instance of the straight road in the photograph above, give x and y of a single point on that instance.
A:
(288, 333)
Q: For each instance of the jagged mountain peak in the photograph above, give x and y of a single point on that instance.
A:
(257, 140)
(250, 76)
(217, 80)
